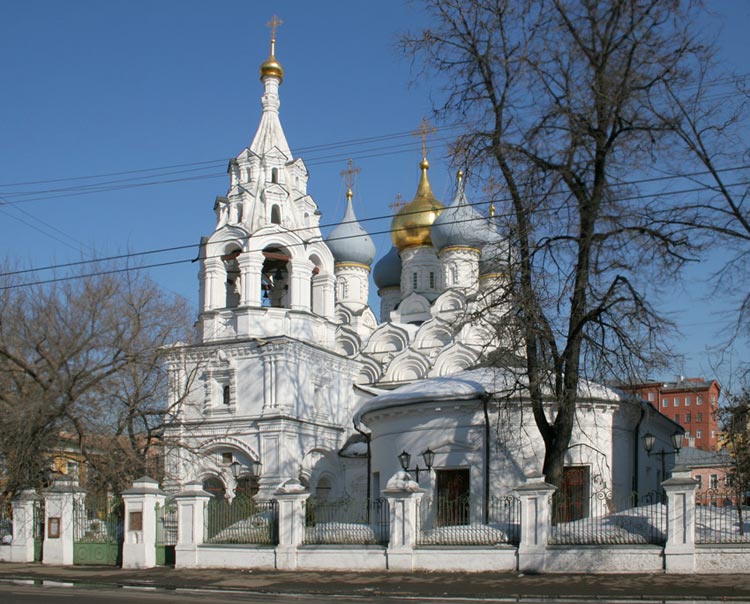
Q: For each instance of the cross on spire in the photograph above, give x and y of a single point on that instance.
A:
(423, 130)
(398, 204)
(348, 174)
(490, 188)
(274, 24)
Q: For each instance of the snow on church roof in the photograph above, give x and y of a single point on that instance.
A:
(474, 384)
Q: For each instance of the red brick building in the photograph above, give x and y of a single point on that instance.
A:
(691, 402)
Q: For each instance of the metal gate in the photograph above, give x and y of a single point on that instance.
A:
(38, 521)
(166, 533)
(98, 533)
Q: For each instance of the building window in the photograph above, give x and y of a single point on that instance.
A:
(414, 280)
(699, 417)
(699, 434)
(714, 481)
(699, 478)
(275, 175)
(664, 403)
(713, 433)
(226, 395)
(676, 402)
(651, 396)
(688, 418)
(227, 458)
(275, 215)
(687, 401)
(677, 417)
(713, 400)
(687, 433)
(432, 280)
(698, 400)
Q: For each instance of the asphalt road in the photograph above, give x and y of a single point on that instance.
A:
(29, 594)
(44, 594)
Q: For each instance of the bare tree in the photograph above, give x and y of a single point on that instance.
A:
(711, 125)
(569, 105)
(734, 417)
(81, 371)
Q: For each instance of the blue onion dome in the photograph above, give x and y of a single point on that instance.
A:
(387, 271)
(349, 242)
(459, 224)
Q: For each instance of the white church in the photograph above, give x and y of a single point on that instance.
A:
(295, 378)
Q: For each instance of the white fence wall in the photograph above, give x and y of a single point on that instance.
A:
(680, 554)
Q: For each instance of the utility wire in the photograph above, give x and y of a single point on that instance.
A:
(326, 146)
(186, 260)
(387, 216)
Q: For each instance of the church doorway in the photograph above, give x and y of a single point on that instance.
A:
(247, 486)
(453, 497)
(573, 497)
(214, 486)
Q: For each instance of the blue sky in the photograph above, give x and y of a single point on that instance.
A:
(96, 88)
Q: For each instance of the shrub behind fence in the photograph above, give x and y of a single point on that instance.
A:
(642, 523)
(346, 521)
(465, 521)
(718, 518)
(6, 523)
(242, 520)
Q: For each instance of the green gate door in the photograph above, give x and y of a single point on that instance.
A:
(166, 533)
(97, 534)
(38, 521)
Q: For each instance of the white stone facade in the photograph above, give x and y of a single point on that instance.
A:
(292, 373)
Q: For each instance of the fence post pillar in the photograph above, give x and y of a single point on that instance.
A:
(291, 496)
(191, 508)
(536, 496)
(22, 546)
(59, 520)
(403, 495)
(139, 546)
(679, 553)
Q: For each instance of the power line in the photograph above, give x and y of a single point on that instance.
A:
(386, 216)
(298, 151)
(302, 229)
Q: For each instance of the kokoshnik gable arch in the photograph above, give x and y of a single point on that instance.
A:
(296, 373)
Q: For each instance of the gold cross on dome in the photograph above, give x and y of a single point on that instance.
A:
(348, 174)
(274, 24)
(396, 205)
(423, 130)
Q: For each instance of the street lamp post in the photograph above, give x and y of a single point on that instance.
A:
(404, 459)
(649, 440)
(236, 468)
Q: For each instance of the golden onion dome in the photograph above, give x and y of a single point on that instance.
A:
(271, 67)
(411, 225)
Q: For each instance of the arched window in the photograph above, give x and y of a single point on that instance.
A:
(274, 175)
(323, 489)
(275, 215)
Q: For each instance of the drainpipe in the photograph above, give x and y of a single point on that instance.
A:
(636, 445)
(485, 404)
(369, 466)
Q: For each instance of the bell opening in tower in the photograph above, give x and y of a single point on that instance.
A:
(275, 278)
